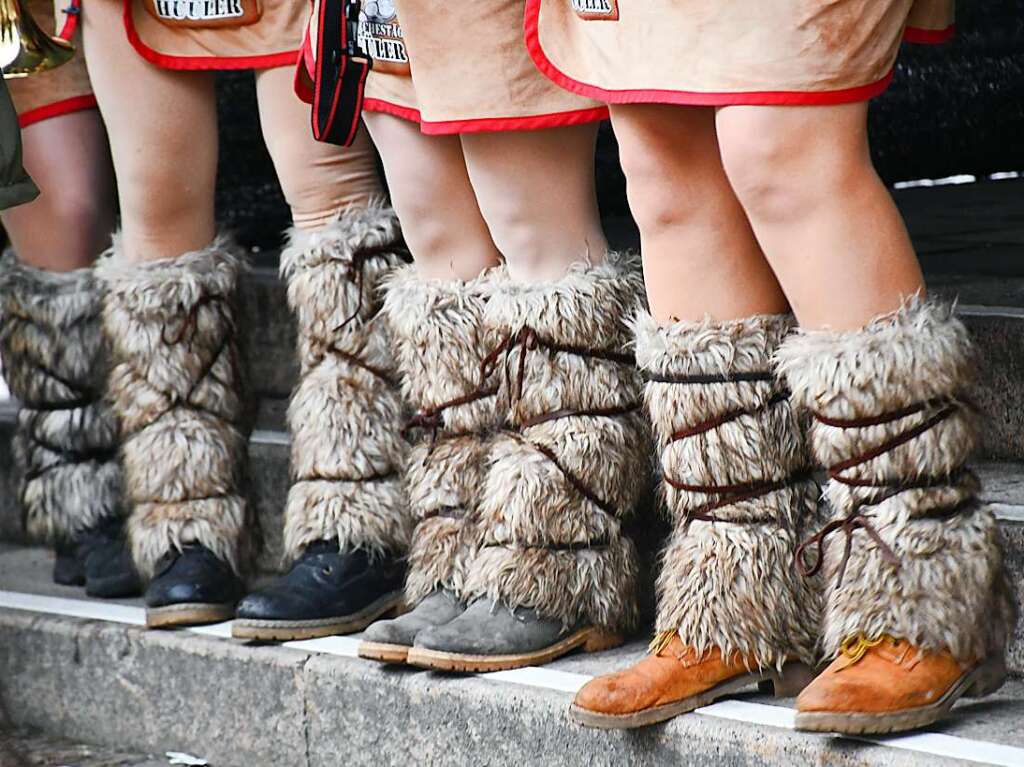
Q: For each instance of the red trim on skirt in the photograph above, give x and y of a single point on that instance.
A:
(487, 124)
(166, 61)
(56, 109)
(695, 98)
(929, 36)
(389, 108)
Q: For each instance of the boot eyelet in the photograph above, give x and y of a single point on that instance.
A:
(327, 570)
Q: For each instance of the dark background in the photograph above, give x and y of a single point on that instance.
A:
(954, 108)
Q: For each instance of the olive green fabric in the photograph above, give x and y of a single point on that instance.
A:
(15, 185)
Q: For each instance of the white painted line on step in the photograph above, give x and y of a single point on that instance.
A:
(952, 747)
(752, 713)
(981, 310)
(932, 743)
(1007, 512)
(546, 678)
(344, 646)
(268, 437)
(222, 630)
(74, 608)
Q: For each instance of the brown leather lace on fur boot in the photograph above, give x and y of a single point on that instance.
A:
(554, 570)
(918, 606)
(441, 341)
(732, 611)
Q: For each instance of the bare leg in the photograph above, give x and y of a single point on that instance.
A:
(70, 223)
(432, 194)
(537, 193)
(163, 136)
(823, 217)
(318, 179)
(700, 255)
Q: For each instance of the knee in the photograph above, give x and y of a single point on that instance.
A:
(780, 168)
(660, 198)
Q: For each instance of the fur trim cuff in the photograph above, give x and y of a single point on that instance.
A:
(55, 362)
(176, 389)
(346, 412)
(728, 580)
(891, 422)
(595, 587)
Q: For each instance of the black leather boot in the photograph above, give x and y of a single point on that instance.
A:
(98, 559)
(192, 587)
(68, 569)
(326, 592)
(110, 572)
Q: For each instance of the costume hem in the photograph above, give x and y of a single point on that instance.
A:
(922, 36)
(56, 109)
(169, 61)
(687, 98)
(390, 108)
(486, 124)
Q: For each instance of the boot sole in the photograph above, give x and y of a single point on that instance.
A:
(788, 684)
(984, 679)
(383, 652)
(591, 640)
(288, 631)
(188, 614)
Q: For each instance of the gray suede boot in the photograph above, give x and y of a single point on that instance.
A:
(442, 342)
(554, 570)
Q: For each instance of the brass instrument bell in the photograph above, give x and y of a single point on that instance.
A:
(25, 49)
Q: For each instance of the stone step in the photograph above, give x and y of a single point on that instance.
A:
(86, 671)
(269, 450)
(997, 330)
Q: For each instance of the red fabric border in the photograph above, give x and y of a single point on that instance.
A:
(389, 108)
(687, 98)
(929, 36)
(265, 61)
(486, 124)
(56, 109)
(498, 124)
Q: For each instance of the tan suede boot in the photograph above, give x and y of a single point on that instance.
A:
(732, 611)
(918, 606)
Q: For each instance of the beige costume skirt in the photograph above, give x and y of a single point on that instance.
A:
(271, 41)
(458, 70)
(721, 52)
(64, 89)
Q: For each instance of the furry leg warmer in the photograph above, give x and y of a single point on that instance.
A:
(574, 460)
(736, 485)
(346, 412)
(441, 341)
(924, 559)
(176, 389)
(55, 362)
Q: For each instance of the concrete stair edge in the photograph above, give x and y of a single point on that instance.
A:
(237, 705)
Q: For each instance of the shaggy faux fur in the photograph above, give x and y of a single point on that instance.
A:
(176, 390)
(55, 363)
(441, 342)
(345, 420)
(730, 585)
(949, 590)
(545, 545)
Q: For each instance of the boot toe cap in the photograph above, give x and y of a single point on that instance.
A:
(612, 694)
(263, 605)
(391, 632)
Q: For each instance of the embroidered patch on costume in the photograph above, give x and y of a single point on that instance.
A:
(205, 13)
(596, 10)
(380, 36)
